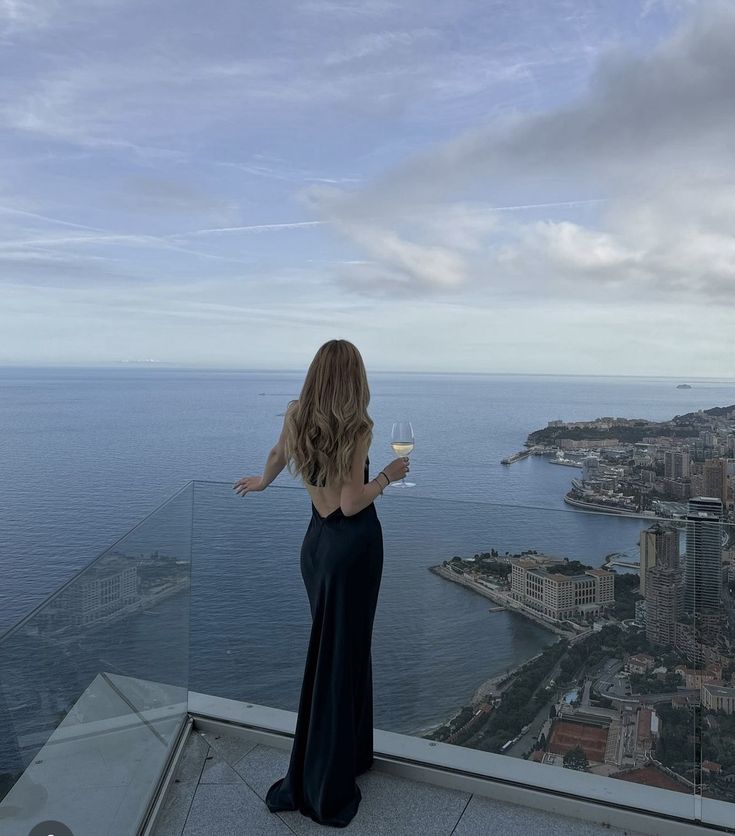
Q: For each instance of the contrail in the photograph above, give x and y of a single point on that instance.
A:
(252, 228)
(299, 224)
(50, 220)
(548, 205)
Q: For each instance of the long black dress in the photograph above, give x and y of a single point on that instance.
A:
(341, 564)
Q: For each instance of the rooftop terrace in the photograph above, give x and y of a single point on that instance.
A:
(221, 781)
(152, 694)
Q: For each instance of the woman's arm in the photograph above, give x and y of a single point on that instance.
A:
(274, 464)
(356, 494)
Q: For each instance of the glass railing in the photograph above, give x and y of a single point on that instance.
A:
(517, 631)
(514, 630)
(708, 641)
(93, 685)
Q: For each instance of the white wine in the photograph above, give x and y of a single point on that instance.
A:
(402, 448)
(402, 440)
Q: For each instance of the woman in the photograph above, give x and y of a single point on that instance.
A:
(325, 439)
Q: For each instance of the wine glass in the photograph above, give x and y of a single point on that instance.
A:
(402, 441)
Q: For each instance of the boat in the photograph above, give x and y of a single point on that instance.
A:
(565, 460)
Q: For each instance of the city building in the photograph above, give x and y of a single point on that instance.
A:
(718, 698)
(715, 479)
(696, 678)
(703, 576)
(676, 464)
(640, 663)
(661, 582)
(689, 641)
(659, 546)
(535, 583)
(678, 489)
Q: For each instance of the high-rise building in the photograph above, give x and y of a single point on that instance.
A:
(590, 469)
(696, 484)
(715, 479)
(709, 438)
(703, 577)
(676, 464)
(659, 546)
(661, 582)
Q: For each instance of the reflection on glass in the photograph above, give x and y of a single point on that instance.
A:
(94, 684)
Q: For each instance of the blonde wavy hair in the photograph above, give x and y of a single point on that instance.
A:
(324, 425)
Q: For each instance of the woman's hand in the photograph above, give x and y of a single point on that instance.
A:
(397, 469)
(248, 484)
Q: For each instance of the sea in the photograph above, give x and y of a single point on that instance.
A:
(87, 453)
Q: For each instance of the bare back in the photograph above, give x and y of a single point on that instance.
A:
(327, 498)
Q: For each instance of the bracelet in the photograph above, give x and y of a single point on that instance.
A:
(387, 480)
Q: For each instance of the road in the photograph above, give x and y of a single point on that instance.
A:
(525, 741)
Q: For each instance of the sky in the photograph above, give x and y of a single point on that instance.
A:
(545, 186)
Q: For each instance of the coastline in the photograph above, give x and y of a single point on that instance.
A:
(494, 684)
(499, 598)
(490, 686)
(487, 688)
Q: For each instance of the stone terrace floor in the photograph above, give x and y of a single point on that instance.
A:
(221, 781)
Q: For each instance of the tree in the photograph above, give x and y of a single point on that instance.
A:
(576, 759)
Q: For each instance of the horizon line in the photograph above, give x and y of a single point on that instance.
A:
(170, 366)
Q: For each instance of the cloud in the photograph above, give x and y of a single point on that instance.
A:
(512, 172)
(18, 16)
(356, 8)
(652, 134)
(153, 89)
(375, 43)
(658, 246)
(156, 194)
